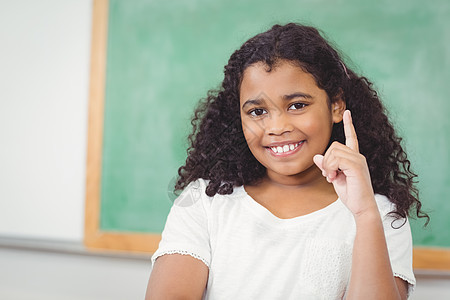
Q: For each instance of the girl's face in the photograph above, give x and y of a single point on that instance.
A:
(286, 117)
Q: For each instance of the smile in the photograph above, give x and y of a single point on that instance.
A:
(287, 149)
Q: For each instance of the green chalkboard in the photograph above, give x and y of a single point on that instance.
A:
(163, 56)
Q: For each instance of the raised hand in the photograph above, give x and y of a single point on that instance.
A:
(347, 170)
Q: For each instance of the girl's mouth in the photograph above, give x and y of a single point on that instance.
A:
(285, 150)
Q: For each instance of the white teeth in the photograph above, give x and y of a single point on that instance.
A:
(285, 148)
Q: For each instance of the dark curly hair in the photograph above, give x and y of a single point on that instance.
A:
(219, 153)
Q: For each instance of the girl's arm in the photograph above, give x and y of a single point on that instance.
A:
(176, 276)
(371, 276)
(346, 168)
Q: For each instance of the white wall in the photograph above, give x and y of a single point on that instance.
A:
(42, 275)
(44, 79)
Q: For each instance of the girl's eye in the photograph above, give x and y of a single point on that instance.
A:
(298, 105)
(257, 112)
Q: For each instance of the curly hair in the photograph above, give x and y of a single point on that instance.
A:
(219, 153)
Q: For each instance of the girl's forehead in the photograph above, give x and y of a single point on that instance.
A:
(285, 77)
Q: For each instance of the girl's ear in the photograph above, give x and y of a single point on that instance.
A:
(337, 108)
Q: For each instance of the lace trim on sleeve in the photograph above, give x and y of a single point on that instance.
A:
(411, 283)
(182, 252)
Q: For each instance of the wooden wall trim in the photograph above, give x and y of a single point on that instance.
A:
(95, 119)
(427, 258)
(128, 242)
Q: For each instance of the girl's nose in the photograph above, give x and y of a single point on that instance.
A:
(278, 124)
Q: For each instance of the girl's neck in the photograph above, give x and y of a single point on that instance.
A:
(311, 178)
(292, 196)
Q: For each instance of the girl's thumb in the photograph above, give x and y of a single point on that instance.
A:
(318, 160)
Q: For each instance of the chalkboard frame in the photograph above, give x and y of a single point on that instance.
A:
(94, 237)
(424, 258)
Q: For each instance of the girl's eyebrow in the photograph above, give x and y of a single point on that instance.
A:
(296, 95)
(259, 101)
(252, 101)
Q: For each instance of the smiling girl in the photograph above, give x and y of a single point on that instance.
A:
(286, 194)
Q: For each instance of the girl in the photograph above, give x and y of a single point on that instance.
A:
(288, 195)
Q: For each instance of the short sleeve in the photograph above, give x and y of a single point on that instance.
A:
(186, 229)
(399, 242)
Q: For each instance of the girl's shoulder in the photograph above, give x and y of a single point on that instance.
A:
(193, 193)
(383, 202)
(196, 191)
(386, 209)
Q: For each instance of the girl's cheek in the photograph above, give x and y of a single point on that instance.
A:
(310, 124)
(315, 128)
(252, 132)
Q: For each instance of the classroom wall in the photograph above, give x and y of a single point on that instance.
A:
(44, 79)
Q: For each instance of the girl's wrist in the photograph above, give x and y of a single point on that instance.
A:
(368, 215)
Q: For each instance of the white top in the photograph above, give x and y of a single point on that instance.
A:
(252, 254)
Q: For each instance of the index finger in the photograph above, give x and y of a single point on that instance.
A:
(351, 140)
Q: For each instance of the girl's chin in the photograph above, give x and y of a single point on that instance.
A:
(285, 172)
(291, 170)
